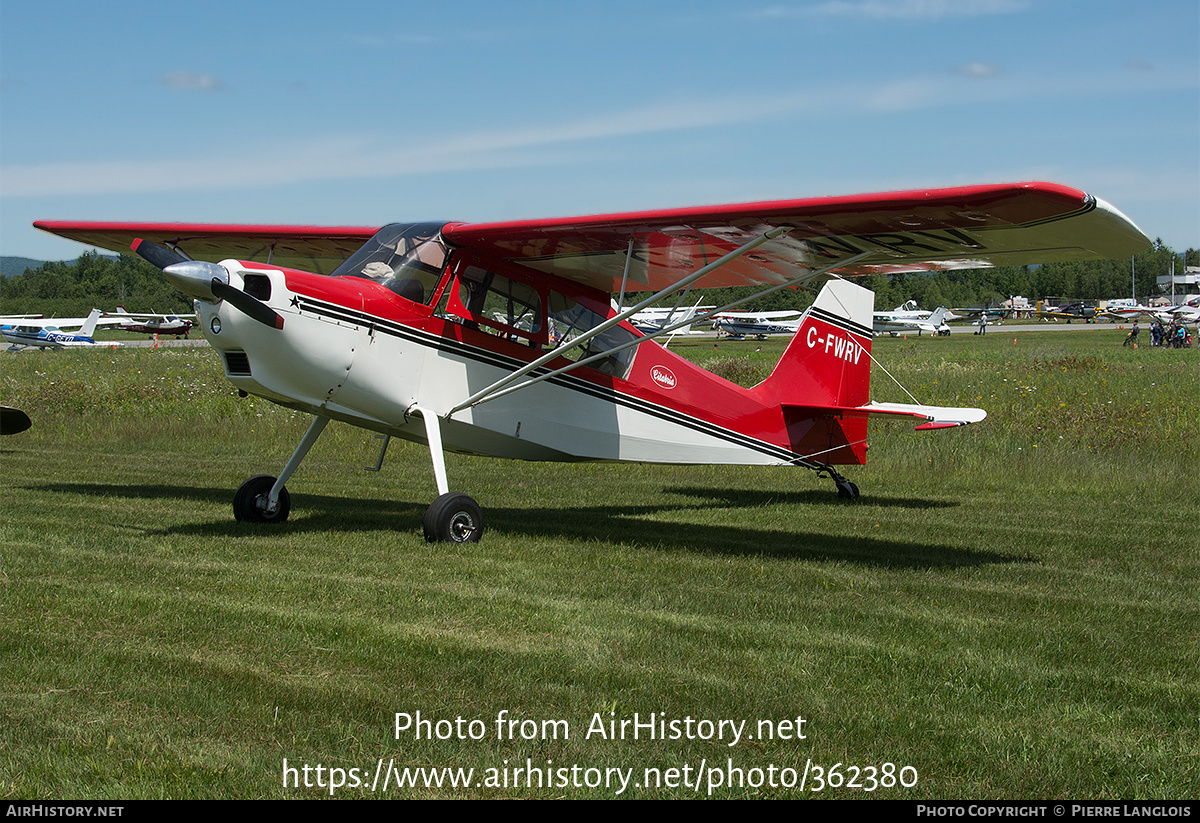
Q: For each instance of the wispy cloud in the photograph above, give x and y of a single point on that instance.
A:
(899, 9)
(192, 81)
(378, 155)
(356, 157)
(978, 70)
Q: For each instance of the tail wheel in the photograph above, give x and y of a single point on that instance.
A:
(453, 518)
(846, 489)
(249, 501)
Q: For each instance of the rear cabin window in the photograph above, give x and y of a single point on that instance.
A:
(570, 319)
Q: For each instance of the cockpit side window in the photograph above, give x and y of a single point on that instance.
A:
(496, 297)
(407, 259)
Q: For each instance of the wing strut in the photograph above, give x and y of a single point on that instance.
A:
(500, 391)
(625, 273)
(622, 316)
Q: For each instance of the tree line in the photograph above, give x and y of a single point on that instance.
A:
(104, 282)
(1090, 281)
(72, 289)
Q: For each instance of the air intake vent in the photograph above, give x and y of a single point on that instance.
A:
(236, 362)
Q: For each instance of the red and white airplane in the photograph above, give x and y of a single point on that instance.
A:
(449, 334)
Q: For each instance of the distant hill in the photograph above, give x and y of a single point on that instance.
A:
(10, 266)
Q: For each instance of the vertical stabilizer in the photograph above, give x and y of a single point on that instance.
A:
(89, 326)
(828, 362)
(826, 371)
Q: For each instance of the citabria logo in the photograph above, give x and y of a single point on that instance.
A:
(663, 377)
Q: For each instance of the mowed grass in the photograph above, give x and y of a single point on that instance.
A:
(1010, 611)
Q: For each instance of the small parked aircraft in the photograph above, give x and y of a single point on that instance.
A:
(49, 334)
(155, 323)
(973, 313)
(1188, 312)
(445, 333)
(648, 321)
(1067, 311)
(758, 324)
(907, 319)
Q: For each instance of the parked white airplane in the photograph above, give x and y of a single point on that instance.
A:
(758, 324)
(908, 318)
(155, 323)
(401, 338)
(49, 334)
(649, 321)
(1188, 312)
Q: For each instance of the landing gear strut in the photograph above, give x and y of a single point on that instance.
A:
(454, 517)
(264, 499)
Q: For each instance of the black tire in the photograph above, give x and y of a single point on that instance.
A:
(453, 518)
(245, 501)
(847, 490)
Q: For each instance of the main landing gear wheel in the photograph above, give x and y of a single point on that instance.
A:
(250, 501)
(453, 518)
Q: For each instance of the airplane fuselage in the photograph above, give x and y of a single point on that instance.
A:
(46, 337)
(354, 351)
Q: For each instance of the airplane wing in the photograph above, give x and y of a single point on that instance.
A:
(121, 316)
(319, 249)
(972, 227)
(969, 227)
(60, 323)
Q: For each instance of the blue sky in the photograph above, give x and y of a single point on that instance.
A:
(362, 113)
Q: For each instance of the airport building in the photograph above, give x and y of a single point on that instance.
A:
(1181, 287)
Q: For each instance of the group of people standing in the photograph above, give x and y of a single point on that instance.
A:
(1174, 335)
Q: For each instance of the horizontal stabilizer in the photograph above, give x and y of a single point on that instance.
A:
(935, 417)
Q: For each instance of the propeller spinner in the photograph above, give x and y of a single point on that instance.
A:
(205, 281)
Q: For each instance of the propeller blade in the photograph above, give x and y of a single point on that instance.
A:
(246, 304)
(197, 277)
(158, 255)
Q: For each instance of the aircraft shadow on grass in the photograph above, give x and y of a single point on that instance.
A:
(632, 525)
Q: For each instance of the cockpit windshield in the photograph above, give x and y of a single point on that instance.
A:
(407, 258)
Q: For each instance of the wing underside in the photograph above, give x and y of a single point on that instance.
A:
(973, 227)
(319, 249)
(969, 227)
